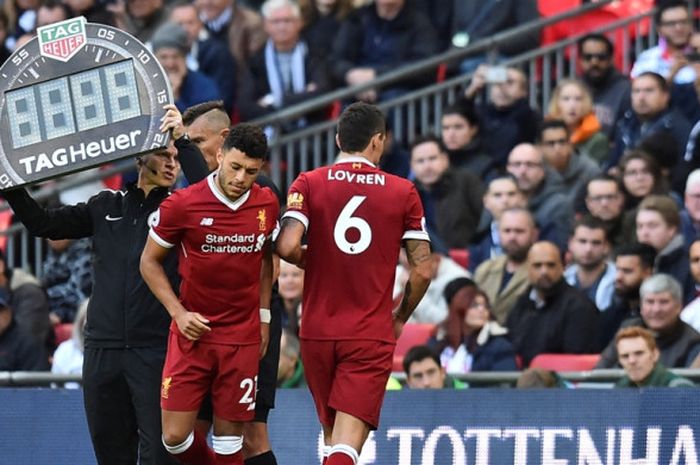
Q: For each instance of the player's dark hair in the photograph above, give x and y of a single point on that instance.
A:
(357, 125)
(428, 138)
(552, 124)
(645, 252)
(195, 111)
(667, 5)
(249, 139)
(418, 353)
(596, 37)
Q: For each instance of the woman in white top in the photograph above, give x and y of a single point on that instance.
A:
(68, 357)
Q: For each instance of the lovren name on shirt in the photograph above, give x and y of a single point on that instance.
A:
(359, 178)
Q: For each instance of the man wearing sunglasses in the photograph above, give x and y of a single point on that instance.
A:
(611, 89)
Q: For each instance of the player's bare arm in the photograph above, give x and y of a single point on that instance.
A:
(266, 281)
(192, 325)
(418, 253)
(288, 242)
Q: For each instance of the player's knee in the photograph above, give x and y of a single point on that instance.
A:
(226, 445)
(177, 444)
(175, 438)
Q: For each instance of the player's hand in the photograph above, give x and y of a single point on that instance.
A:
(172, 121)
(304, 251)
(192, 325)
(264, 338)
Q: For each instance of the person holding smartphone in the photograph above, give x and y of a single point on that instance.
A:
(506, 116)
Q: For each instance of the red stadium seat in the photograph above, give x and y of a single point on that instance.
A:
(461, 256)
(413, 334)
(63, 332)
(441, 72)
(593, 20)
(565, 362)
(335, 109)
(113, 182)
(5, 223)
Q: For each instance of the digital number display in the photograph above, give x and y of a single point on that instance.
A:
(76, 96)
(78, 102)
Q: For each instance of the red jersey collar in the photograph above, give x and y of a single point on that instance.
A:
(354, 159)
(235, 205)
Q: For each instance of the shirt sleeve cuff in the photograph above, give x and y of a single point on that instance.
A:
(299, 216)
(159, 240)
(418, 235)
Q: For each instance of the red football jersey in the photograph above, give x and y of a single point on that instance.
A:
(355, 217)
(220, 254)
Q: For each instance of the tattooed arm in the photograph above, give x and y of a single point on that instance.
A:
(419, 260)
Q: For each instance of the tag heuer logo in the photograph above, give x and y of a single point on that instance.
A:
(61, 41)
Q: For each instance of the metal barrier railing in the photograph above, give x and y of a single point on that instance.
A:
(477, 378)
(412, 114)
(483, 46)
(420, 111)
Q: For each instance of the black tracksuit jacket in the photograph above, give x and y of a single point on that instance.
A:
(122, 312)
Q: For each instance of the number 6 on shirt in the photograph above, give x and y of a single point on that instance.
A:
(346, 221)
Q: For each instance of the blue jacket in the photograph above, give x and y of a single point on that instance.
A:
(497, 354)
(631, 131)
(196, 88)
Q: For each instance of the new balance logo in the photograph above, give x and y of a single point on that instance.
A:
(206, 222)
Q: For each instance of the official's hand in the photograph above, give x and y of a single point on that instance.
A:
(264, 338)
(192, 325)
(172, 121)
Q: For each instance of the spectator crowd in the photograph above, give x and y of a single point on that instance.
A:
(570, 229)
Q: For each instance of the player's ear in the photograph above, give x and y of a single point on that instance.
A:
(376, 140)
(224, 132)
(219, 155)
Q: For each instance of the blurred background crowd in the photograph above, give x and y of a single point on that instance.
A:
(562, 198)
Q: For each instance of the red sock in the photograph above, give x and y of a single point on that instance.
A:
(326, 453)
(198, 453)
(231, 459)
(339, 458)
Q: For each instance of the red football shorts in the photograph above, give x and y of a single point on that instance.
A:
(192, 368)
(348, 376)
